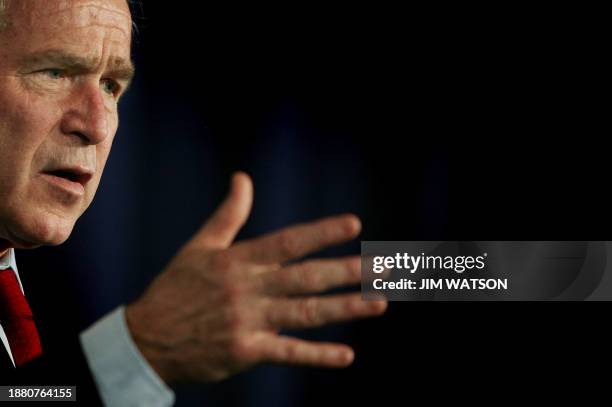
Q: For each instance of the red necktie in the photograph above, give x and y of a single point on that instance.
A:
(17, 320)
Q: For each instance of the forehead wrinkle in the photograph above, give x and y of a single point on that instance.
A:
(98, 51)
(91, 4)
(90, 24)
(83, 16)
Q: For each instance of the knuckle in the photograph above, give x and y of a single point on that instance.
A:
(232, 289)
(239, 349)
(291, 353)
(309, 312)
(256, 283)
(286, 279)
(353, 307)
(289, 244)
(234, 320)
(312, 279)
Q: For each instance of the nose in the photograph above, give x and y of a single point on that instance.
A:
(87, 115)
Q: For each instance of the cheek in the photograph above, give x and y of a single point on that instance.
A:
(102, 152)
(25, 123)
(104, 148)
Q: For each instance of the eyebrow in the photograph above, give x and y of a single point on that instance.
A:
(118, 68)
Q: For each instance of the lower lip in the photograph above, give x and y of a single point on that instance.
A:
(74, 188)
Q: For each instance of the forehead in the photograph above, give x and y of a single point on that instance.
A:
(89, 27)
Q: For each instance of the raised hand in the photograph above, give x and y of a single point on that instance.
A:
(218, 307)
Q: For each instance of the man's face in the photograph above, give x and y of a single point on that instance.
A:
(63, 66)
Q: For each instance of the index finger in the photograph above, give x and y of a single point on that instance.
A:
(298, 241)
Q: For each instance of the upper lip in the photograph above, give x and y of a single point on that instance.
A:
(75, 173)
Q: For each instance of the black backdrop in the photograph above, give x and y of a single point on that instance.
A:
(437, 124)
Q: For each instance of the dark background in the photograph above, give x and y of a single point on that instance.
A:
(440, 124)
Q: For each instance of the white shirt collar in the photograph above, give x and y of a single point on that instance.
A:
(8, 261)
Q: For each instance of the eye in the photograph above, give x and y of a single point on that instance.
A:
(53, 73)
(110, 86)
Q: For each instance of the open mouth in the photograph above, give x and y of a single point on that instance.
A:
(72, 175)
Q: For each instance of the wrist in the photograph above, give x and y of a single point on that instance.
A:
(150, 348)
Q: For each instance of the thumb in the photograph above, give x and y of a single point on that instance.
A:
(222, 227)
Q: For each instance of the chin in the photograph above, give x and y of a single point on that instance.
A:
(30, 231)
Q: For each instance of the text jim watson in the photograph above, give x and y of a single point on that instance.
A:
(442, 283)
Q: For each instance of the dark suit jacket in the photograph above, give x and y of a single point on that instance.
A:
(63, 362)
(57, 367)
